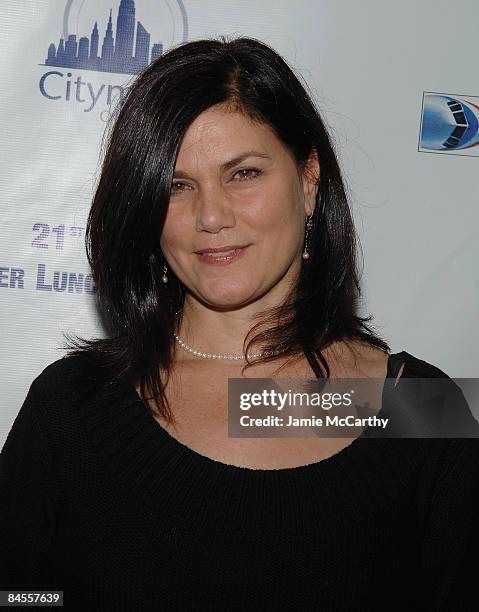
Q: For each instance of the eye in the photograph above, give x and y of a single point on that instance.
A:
(248, 174)
(174, 186)
(252, 173)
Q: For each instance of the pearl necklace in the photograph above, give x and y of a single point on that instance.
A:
(196, 353)
(204, 355)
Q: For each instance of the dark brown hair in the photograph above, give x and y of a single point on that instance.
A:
(131, 200)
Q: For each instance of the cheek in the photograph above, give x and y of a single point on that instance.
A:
(275, 212)
(174, 232)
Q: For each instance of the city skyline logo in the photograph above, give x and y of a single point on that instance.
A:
(124, 49)
(101, 41)
(449, 124)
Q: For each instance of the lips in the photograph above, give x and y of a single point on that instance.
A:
(225, 247)
(221, 257)
(220, 253)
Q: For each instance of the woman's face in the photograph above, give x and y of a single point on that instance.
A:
(235, 183)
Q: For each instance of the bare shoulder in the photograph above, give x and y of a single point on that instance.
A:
(356, 359)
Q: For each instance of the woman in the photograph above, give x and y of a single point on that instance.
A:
(120, 484)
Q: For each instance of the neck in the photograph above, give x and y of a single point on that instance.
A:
(215, 331)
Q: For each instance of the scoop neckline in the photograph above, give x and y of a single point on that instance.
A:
(395, 360)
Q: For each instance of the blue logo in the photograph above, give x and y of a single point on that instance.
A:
(449, 124)
(115, 51)
(122, 43)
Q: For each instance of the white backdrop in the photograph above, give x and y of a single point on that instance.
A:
(369, 65)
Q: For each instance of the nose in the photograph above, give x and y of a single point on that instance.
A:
(213, 210)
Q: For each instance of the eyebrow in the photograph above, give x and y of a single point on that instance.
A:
(229, 164)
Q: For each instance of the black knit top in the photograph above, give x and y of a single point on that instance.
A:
(100, 501)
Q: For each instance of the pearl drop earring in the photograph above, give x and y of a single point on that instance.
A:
(164, 278)
(309, 225)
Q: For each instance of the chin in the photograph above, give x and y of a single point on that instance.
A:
(226, 297)
(226, 303)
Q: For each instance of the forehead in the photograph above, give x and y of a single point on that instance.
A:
(217, 134)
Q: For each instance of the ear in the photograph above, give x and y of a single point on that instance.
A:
(311, 175)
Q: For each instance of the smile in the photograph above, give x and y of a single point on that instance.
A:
(222, 258)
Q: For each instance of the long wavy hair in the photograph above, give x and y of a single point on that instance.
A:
(131, 200)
